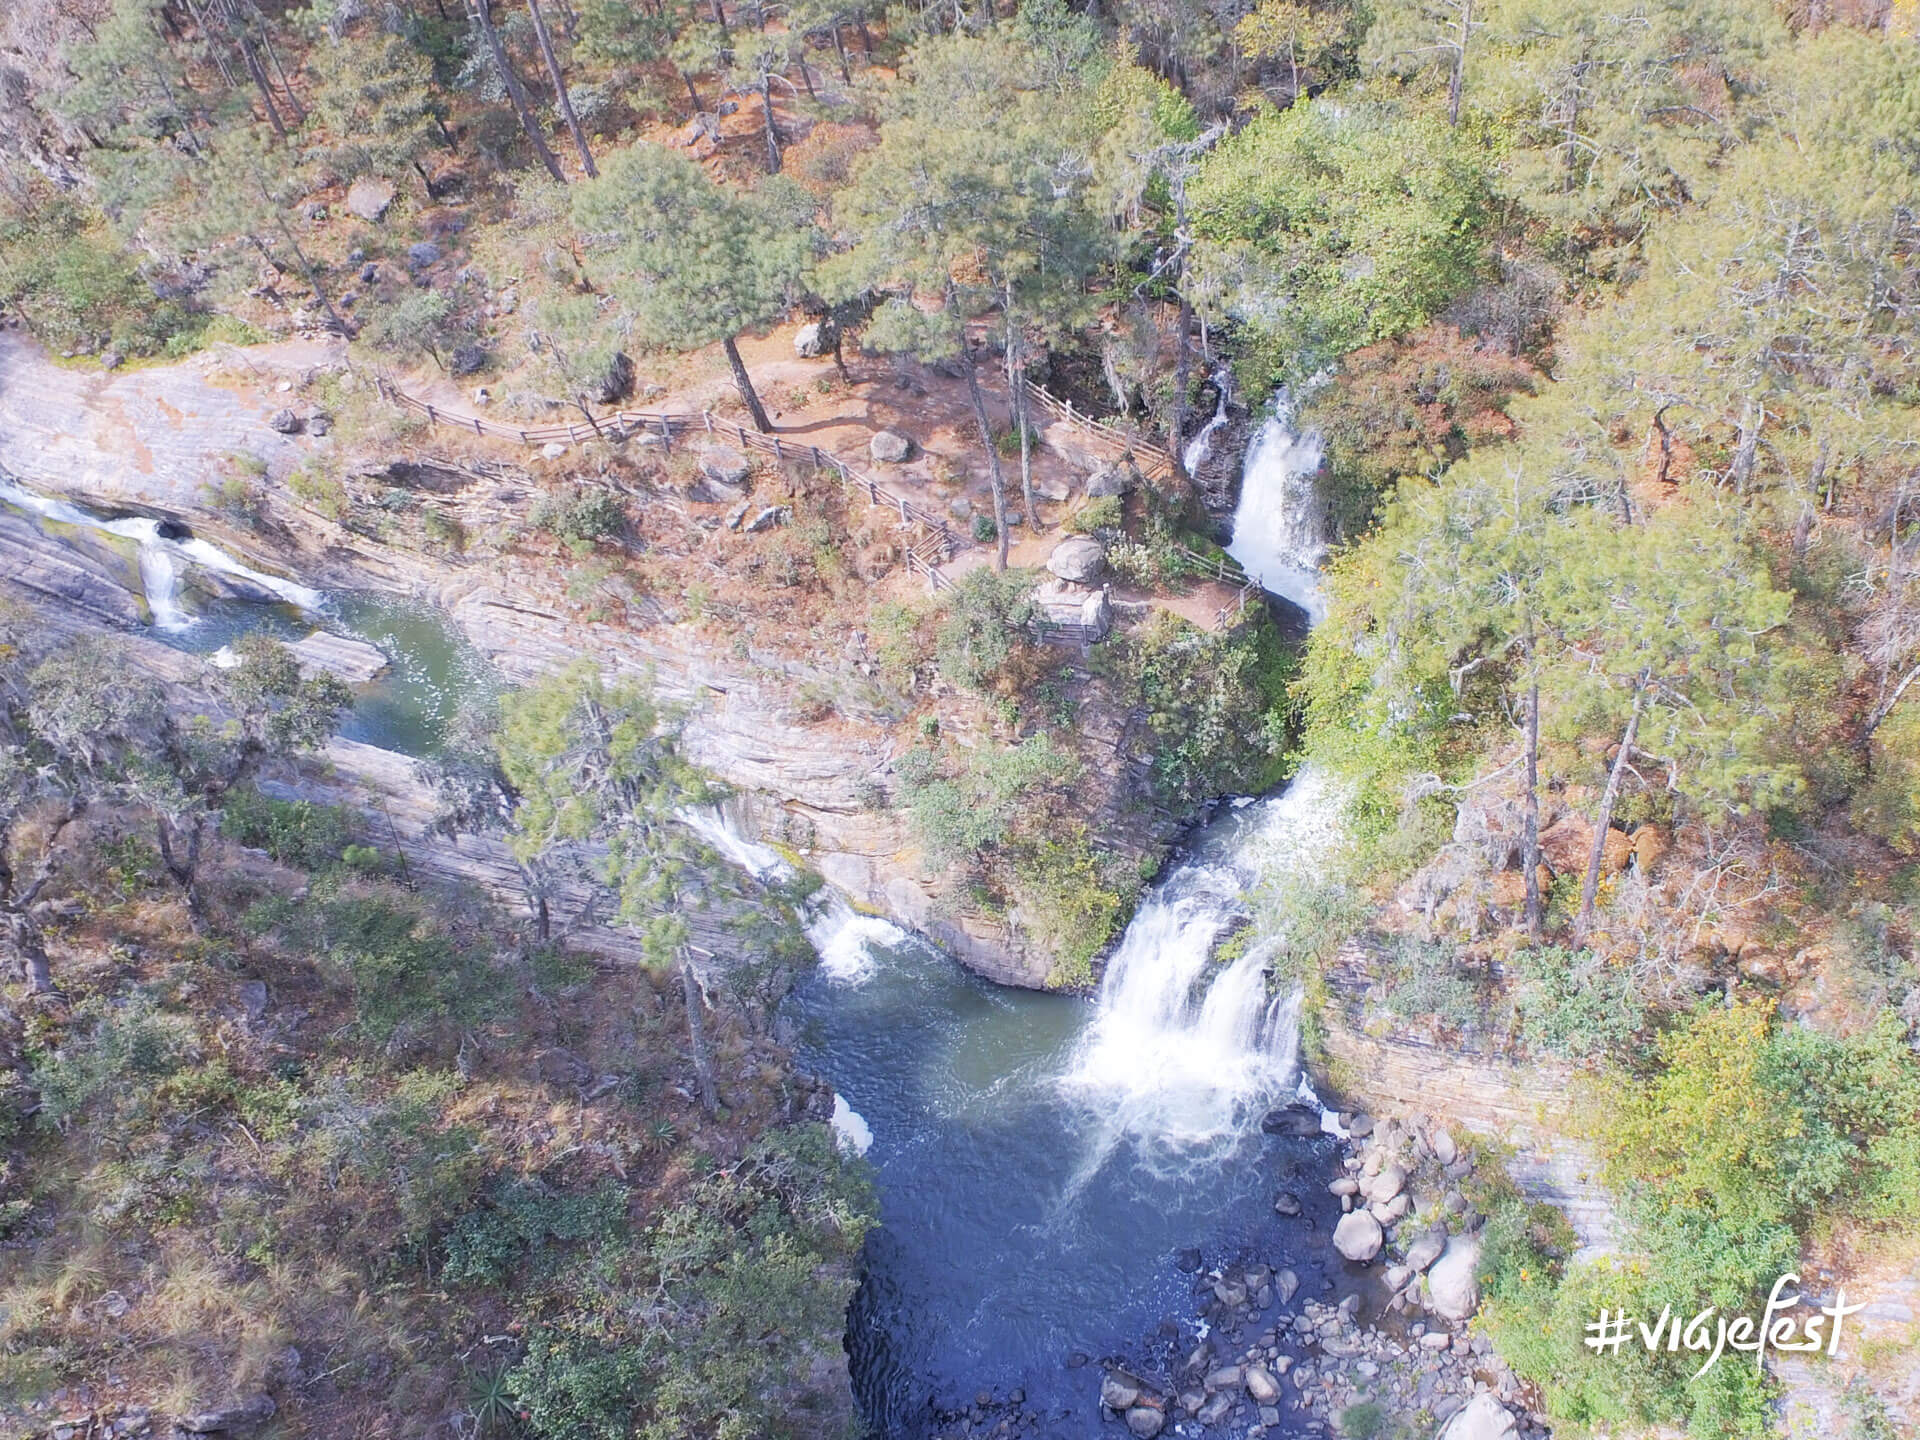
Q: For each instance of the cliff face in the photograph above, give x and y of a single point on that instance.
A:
(163, 442)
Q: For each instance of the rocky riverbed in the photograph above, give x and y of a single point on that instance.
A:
(1263, 1353)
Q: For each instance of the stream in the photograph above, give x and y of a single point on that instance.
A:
(1052, 1170)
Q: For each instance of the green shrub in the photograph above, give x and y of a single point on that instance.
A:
(985, 532)
(1071, 902)
(294, 832)
(123, 1048)
(1576, 1005)
(959, 815)
(1427, 983)
(519, 1220)
(1362, 1421)
(982, 639)
(579, 517)
(1105, 513)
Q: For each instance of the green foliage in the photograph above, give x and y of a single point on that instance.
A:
(1363, 1420)
(579, 516)
(295, 832)
(1216, 705)
(1576, 1005)
(1325, 227)
(982, 639)
(1073, 901)
(521, 1219)
(1427, 984)
(1105, 513)
(113, 1051)
(78, 288)
(960, 814)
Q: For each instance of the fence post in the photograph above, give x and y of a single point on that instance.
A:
(666, 435)
(476, 426)
(873, 493)
(707, 415)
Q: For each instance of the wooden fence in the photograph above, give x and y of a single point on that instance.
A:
(936, 545)
(1127, 445)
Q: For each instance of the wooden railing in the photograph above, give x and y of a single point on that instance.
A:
(1128, 445)
(936, 545)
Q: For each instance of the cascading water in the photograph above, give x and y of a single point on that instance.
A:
(1279, 526)
(1201, 445)
(161, 556)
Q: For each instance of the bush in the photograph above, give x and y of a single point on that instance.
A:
(1216, 705)
(1427, 983)
(124, 1049)
(1576, 1005)
(521, 1218)
(294, 832)
(959, 816)
(1105, 513)
(1072, 904)
(982, 641)
(579, 517)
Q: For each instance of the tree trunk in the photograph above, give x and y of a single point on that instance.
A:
(720, 17)
(997, 480)
(560, 88)
(184, 868)
(1530, 826)
(773, 134)
(23, 939)
(806, 79)
(692, 94)
(516, 92)
(286, 84)
(1017, 388)
(744, 384)
(697, 1036)
(1457, 81)
(840, 49)
(313, 276)
(1590, 887)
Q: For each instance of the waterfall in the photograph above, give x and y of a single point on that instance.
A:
(1182, 1049)
(841, 935)
(161, 556)
(1201, 445)
(1279, 532)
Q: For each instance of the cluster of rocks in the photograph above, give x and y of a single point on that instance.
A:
(137, 1422)
(288, 421)
(1403, 1202)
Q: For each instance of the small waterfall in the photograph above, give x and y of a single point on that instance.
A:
(161, 556)
(1201, 445)
(1279, 533)
(841, 935)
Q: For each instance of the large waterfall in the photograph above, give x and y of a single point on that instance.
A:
(1184, 1049)
(1279, 527)
(162, 555)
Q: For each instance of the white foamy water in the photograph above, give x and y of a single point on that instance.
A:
(161, 558)
(1201, 445)
(1182, 1050)
(1279, 526)
(853, 1133)
(841, 936)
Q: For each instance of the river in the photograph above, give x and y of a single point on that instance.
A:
(1059, 1177)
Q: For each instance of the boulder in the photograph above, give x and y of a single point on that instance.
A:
(1391, 1212)
(1441, 1143)
(422, 254)
(1146, 1421)
(889, 447)
(1388, 1182)
(552, 450)
(286, 422)
(1453, 1284)
(467, 359)
(768, 518)
(255, 1409)
(1358, 1236)
(1427, 1249)
(1262, 1386)
(319, 423)
(1650, 845)
(1298, 1122)
(1187, 1261)
(1286, 1203)
(1096, 614)
(1285, 1283)
(1482, 1418)
(1109, 480)
(1080, 560)
(725, 464)
(1360, 1126)
(370, 199)
(813, 339)
(1227, 1377)
(1119, 1390)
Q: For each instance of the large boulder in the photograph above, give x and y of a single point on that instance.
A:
(1483, 1418)
(889, 447)
(1096, 613)
(1079, 559)
(467, 359)
(1358, 1236)
(813, 339)
(616, 381)
(1383, 1186)
(1109, 480)
(1427, 1249)
(1453, 1284)
(370, 198)
(1296, 1122)
(725, 464)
